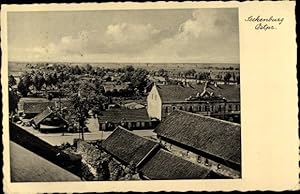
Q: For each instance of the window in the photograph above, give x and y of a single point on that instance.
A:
(138, 124)
(133, 124)
(199, 108)
(174, 108)
(180, 108)
(191, 109)
(167, 109)
(205, 108)
(237, 107)
(220, 108)
(229, 107)
(212, 108)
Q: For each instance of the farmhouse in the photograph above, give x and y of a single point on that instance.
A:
(128, 148)
(204, 140)
(129, 118)
(49, 120)
(164, 165)
(211, 100)
(149, 159)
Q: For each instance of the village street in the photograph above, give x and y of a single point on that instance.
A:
(56, 139)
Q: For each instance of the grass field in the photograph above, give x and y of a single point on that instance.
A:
(18, 67)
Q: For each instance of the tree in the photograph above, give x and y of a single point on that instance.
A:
(23, 88)
(13, 101)
(129, 68)
(11, 81)
(38, 81)
(227, 77)
(89, 68)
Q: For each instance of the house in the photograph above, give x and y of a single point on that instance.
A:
(33, 108)
(158, 80)
(149, 160)
(110, 86)
(205, 98)
(164, 165)
(129, 118)
(49, 120)
(128, 148)
(204, 140)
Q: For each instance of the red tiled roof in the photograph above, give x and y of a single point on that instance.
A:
(212, 136)
(164, 165)
(127, 146)
(171, 93)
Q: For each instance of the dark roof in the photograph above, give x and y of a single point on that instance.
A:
(47, 112)
(170, 93)
(164, 165)
(40, 117)
(37, 107)
(212, 136)
(36, 168)
(128, 147)
(128, 115)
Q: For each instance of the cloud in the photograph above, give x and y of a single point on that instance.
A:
(120, 38)
(210, 35)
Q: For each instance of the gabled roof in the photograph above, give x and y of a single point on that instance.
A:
(36, 168)
(164, 165)
(126, 115)
(218, 138)
(128, 147)
(171, 93)
(46, 113)
(37, 107)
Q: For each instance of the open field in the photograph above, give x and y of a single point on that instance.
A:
(16, 68)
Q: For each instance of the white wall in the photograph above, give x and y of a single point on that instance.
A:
(154, 103)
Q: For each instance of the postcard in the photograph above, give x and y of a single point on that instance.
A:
(162, 96)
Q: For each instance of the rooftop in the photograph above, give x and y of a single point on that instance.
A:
(47, 112)
(221, 139)
(36, 168)
(171, 93)
(128, 147)
(164, 165)
(37, 106)
(128, 115)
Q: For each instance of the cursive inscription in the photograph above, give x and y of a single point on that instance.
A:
(265, 23)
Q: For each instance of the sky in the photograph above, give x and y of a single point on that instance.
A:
(163, 36)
